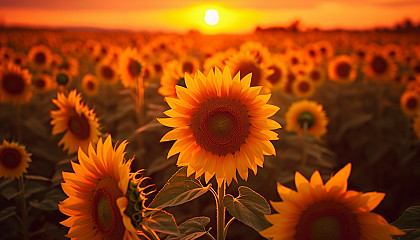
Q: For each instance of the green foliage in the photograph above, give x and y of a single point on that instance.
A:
(249, 207)
(192, 229)
(178, 190)
(409, 222)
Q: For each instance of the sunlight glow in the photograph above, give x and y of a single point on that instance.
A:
(211, 17)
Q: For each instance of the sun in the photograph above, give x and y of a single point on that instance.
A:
(211, 17)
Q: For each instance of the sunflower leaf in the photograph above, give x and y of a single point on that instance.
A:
(178, 190)
(7, 212)
(409, 222)
(50, 201)
(161, 221)
(192, 228)
(9, 192)
(249, 207)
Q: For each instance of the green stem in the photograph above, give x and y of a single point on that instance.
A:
(221, 211)
(210, 236)
(23, 208)
(149, 234)
(227, 226)
(304, 152)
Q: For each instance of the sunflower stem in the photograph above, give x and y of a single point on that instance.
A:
(149, 234)
(18, 119)
(227, 226)
(221, 190)
(304, 152)
(23, 208)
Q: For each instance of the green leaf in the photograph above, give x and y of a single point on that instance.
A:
(9, 192)
(35, 177)
(409, 222)
(178, 190)
(51, 200)
(32, 187)
(161, 221)
(192, 228)
(249, 207)
(7, 212)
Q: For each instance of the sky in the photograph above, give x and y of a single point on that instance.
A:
(235, 16)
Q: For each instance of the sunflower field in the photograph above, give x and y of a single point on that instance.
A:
(269, 135)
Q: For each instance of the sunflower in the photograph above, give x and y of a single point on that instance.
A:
(171, 77)
(342, 70)
(330, 211)
(62, 78)
(188, 64)
(307, 113)
(6, 54)
(74, 118)
(257, 50)
(13, 160)
(106, 72)
(42, 83)
(15, 84)
(130, 67)
(312, 52)
(277, 78)
(294, 58)
(379, 67)
(325, 49)
(90, 85)
(19, 59)
(96, 193)
(70, 65)
(303, 87)
(245, 63)
(40, 56)
(221, 125)
(410, 102)
(316, 75)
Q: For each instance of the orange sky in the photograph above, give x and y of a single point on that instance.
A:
(183, 15)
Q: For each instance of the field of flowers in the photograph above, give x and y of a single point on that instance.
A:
(185, 136)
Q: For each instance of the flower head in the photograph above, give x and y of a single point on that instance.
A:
(15, 84)
(327, 211)
(76, 119)
(96, 193)
(13, 160)
(221, 125)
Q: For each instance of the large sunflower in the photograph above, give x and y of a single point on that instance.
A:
(97, 190)
(106, 72)
(74, 118)
(309, 113)
(13, 160)
(410, 103)
(221, 125)
(15, 84)
(277, 78)
(380, 67)
(341, 69)
(317, 211)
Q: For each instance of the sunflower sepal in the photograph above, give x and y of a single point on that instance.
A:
(249, 207)
(179, 189)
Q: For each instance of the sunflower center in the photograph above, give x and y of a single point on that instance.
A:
(18, 61)
(134, 68)
(105, 212)
(79, 126)
(294, 61)
(249, 67)
(303, 86)
(181, 82)
(40, 58)
(312, 53)
(379, 64)
(40, 83)
(327, 220)
(107, 72)
(62, 79)
(10, 158)
(221, 125)
(187, 67)
(417, 68)
(306, 118)
(343, 69)
(275, 77)
(157, 67)
(412, 103)
(13, 83)
(315, 76)
(90, 85)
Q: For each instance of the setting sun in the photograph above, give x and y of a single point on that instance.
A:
(211, 17)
